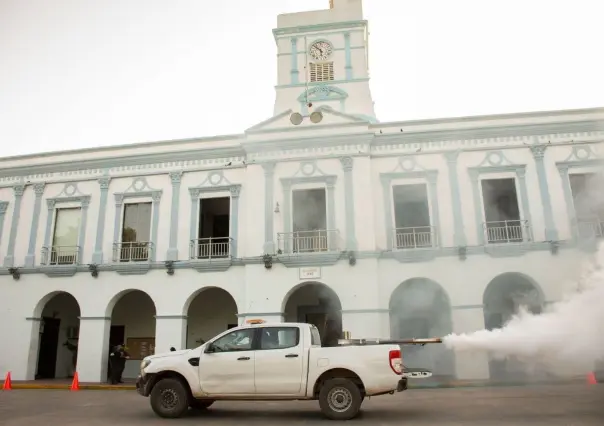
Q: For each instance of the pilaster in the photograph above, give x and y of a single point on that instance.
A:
(30, 258)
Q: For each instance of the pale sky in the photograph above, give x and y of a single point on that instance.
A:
(86, 73)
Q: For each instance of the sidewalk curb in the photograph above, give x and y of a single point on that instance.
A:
(99, 386)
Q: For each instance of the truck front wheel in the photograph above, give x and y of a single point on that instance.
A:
(340, 399)
(169, 398)
(201, 404)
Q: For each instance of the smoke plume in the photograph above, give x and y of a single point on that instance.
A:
(568, 338)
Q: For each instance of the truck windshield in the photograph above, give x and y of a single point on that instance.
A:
(315, 337)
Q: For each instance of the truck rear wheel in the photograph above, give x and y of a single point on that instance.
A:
(340, 399)
(169, 398)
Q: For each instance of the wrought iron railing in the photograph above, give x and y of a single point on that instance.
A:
(210, 248)
(60, 255)
(507, 231)
(415, 237)
(132, 251)
(308, 241)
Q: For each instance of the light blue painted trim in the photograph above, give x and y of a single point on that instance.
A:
(459, 236)
(329, 181)
(97, 256)
(431, 177)
(551, 233)
(335, 49)
(348, 55)
(195, 193)
(323, 92)
(30, 259)
(568, 199)
(476, 172)
(294, 61)
(84, 201)
(330, 26)
(351, 240)
(318, 83)
(139, 189)
(269, 197)
(462, 307)
(175, 178)
(3, 208)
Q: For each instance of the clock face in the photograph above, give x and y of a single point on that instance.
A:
(320, 50)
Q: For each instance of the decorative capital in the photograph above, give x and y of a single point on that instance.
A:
(85, 201)
(294, 40)
(269, 169)
(175, 177)
(330, 181)
(39, 189)
(562, 169)
(156, 196)
(50, 203)
(119, 199)
(195, 192)
(521, 172)
(19, 190)
(432, 177)
(3, 207)
(346, 163)
(104, 183)
(538, 151)
(235, 190)
(452, 156)
(473, 175)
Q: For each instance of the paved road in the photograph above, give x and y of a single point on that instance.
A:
(514, 406)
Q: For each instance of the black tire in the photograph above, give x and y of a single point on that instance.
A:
(340, 399)
(200, 404)
(169, 398)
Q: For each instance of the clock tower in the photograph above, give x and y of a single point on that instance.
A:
(322, 60)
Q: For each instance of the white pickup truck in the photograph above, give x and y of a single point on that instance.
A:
(262, 362)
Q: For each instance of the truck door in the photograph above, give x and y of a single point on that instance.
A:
(228, 367)
(279, 361)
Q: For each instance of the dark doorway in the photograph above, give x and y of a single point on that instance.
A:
(49, 343)
(117, 334)
(213, 239)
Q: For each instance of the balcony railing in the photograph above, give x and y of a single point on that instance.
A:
(210, 248)
(308, 241)
(132, 251)
(591, 228)
(507, 231)
(415, 237)
(60, 255)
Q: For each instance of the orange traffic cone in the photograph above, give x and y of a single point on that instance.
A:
(7, 382)
(591, 379)
(75, 384)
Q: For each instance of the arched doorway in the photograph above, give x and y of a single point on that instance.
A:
(317, 304)
(502, 299)
(210, 312)
(58, 336)
(420, 308)
(132, 324)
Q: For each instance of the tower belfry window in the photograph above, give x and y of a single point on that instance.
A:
(321, 71)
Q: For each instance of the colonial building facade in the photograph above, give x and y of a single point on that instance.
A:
(319, 214)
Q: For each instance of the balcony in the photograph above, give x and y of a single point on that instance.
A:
(132, 251)
(210, 248)
(321, 240)
(60, 255)
(414, 237)
(507, 231)
(590, 229)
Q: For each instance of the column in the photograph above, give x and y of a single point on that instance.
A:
(347, 164)
(526, 208)
(294, 61)
(287, 215)
(568, 198)
(480, 237)
(551, 233)
(176, 178)
(85, 203)
(170, 331)
(366, 323)
(459, 236)
(269, 214)
(50, 206)
(156, 198)
(3, 208)
(30, 259)
(97, 256)
(331, 214)
(119, 204)
(9, 259)
(348, 55)
(389, 228)
(194, 193)
(432, 178)
(235, 191)
(93, 349)
(469, 365)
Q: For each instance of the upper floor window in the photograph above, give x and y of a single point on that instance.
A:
(136, 232)
(64, 250)
(412, 221)
(213, 231)
(503, 223)
(309, 220)
(321, 71)
(588, 205)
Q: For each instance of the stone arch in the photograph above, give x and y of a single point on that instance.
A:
(54, 338)
(419, 308)
(315, 303)
(132, 314)
(209, 311)
(502, 298)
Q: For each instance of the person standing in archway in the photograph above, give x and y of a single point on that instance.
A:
(118, 362)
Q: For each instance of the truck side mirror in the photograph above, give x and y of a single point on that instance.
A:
(210, 349)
